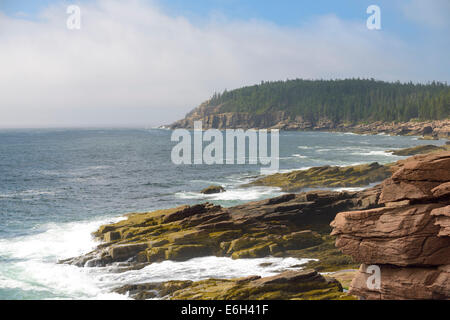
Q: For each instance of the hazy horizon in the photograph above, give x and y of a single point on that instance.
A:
(147, 63)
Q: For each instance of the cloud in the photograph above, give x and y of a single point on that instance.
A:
(434, 13)
(133, 64)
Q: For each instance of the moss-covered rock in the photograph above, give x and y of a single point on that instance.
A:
(326, 176)
(213, 189)
(273, 227)
(344, 277)
(302, 285)
(187, 251)
(418, 150)
(327, 257)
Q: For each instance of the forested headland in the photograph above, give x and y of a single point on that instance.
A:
(350, 100)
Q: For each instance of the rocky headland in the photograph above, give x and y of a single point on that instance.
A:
(214, 118)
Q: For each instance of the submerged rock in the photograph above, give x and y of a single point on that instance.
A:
(408, 238)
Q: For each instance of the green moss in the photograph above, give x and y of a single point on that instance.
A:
(222, 236)
(326, 176)
(156, 254)
(419, 150)
(260, 250)
(329, 257)
(213, 189)
(185, 252)
(220, 289)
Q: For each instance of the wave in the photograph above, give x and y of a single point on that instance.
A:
(26, 194)
(29, 263)
(207, 267)
(292, 170)
(240, 194)
(374, 153)
(296, 155)
(28, 266)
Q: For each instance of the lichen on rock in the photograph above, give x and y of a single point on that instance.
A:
(304, 285)
(326, 177)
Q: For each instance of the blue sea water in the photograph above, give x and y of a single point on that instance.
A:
(59, 185)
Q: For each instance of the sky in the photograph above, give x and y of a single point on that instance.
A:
(149, 62)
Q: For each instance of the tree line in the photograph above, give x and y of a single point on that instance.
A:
(349, 100)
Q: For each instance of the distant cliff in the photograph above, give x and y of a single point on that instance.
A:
(328, 105)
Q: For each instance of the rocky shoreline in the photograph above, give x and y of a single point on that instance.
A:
(212, 119)
(292, 285)
(292, 225)
(340, 177)
(326, 177)
(401, 225)
(281, 226)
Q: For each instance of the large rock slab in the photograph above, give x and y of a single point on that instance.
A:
(403, 236)
(408, 238)
(403, 283)
(326, 177)
(299, 285)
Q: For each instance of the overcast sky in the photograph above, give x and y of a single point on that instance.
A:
(146, 63)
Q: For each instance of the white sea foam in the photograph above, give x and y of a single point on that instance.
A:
(299, 156)
(206, 267)
(350, 189)
(31, 265)
(27, 194)
(238, 194)
(374, 153)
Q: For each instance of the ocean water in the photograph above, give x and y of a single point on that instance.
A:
(59, 185)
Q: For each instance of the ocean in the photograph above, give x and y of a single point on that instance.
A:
(59, 185)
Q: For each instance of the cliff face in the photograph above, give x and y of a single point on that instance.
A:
(214, 118)
(408, 238)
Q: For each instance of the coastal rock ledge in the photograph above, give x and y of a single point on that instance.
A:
(272, 227)
(408, 238)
